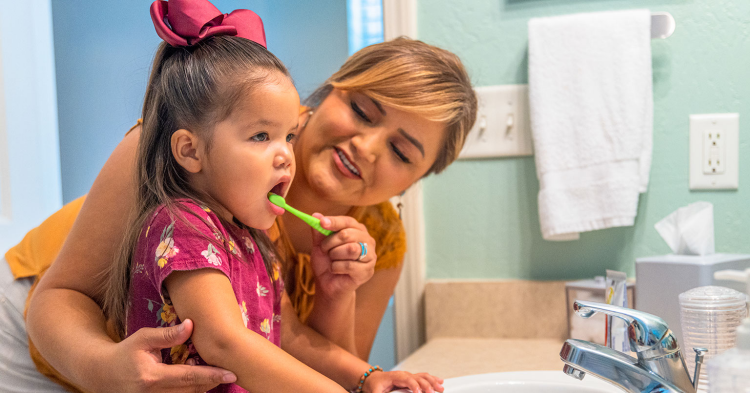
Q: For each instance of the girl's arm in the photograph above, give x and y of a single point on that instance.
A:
(221, 338)
(64, 319)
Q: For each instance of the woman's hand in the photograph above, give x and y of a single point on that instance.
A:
(335, 258)
(381, 382)
(137, 365)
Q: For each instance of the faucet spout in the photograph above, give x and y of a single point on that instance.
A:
(582, 357)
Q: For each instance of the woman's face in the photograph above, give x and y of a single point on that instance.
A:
(356, 151)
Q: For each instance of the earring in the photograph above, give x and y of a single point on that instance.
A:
(399, 205)
(309, 114)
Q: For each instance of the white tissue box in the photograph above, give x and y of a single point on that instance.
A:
(661, 279)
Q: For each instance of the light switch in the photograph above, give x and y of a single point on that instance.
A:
(714, 151)
(502, 128)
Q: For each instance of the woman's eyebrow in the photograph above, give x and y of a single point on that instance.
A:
(377, 105)
(413, 140)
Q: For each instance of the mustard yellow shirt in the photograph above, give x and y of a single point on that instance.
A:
(41, 245)
(382, 223)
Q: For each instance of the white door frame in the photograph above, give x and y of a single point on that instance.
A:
(400, 19)
(30, 185)
(6, 211)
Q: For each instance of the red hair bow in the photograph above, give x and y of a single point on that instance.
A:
(188, 22)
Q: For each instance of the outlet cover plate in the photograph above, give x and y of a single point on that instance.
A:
(714, 151)
(502, 128)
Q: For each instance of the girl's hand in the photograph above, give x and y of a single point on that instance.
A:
(382, 382)
(139, 367)
(334, 258)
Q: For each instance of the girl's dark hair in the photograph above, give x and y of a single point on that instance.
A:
(189, 88)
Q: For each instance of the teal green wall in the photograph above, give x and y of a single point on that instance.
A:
(481, 216)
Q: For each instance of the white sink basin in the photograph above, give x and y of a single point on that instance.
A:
(526, 382)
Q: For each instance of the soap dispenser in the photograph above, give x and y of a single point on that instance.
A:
(734, 275)
(728, 372)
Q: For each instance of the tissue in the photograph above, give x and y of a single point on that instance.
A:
(689, 230)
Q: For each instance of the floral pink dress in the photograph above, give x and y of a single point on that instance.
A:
(168, 244)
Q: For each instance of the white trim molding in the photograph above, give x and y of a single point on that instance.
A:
(399, 19)
(408, 302)
(5, 196)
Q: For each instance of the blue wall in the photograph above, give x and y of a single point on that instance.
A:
(103, 51)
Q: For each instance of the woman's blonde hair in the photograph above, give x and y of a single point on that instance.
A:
(415, 77)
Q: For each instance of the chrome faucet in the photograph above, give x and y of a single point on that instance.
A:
(659, 367)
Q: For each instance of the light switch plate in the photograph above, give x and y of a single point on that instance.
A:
(714, 151)
(502, 128)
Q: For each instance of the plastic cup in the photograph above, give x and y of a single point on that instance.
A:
(709, 317)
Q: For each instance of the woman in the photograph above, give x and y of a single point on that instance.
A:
(394, 113)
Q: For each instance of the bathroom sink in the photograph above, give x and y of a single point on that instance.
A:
(526, 382)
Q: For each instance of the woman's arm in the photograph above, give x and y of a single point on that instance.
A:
(64, 320)
(316, 351)
(221, 338)
(372, 301)
(354, 318)
(350, 296)
(338, 273)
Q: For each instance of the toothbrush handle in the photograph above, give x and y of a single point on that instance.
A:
(310, 220)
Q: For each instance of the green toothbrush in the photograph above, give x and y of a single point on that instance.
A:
(308, 219)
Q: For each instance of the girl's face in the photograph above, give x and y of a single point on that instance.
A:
(355, 151)
(251, 153)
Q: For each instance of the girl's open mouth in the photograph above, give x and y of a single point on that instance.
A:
(279, 189)
(345, 165)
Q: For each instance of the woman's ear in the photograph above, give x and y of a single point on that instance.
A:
(304, 117)
(187, 150)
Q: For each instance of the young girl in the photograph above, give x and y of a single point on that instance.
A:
(219, 119)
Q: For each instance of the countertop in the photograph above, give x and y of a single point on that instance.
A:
(455, 357)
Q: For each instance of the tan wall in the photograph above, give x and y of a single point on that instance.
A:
(496, 309)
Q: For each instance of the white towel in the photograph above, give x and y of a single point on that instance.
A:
(591, 106)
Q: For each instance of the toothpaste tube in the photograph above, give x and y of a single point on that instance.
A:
(617, 295)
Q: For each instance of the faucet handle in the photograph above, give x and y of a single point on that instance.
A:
(699, 353)
(645, 331)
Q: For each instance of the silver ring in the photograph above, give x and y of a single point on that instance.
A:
(363, 252)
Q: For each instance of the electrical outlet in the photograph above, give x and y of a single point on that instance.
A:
(714, 151)
(502, 128)
(714, 154)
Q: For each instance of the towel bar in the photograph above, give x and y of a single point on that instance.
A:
(662, 25)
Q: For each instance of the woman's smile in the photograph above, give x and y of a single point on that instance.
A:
(345, 164)
(358, 152)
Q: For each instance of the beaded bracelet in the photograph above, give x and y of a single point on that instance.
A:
(364, 377)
